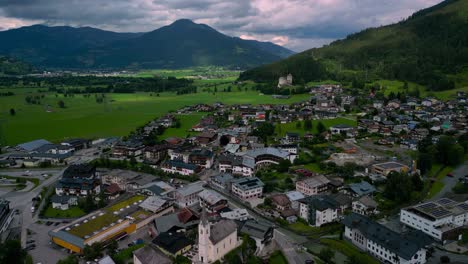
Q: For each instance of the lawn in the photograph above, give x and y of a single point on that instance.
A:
(93, 224)
(349, 250)
(126, 254)
(291, 127)
(73, 212)
(186, 123)
(301, 228)
(437, 186)
(435, 189)
(314, 167)
(118, 116)
(277, 257)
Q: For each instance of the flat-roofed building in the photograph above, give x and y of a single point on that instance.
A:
(442, 219)
(105, 225)
(387, 167)
(247, 188)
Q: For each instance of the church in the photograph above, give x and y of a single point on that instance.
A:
(215, 239)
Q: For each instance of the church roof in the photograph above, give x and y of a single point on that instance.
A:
(221, 230)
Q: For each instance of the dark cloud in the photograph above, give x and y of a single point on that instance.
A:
(298, 24)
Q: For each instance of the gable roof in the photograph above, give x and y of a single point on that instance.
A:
(149, 255)
(221, 230)
(404, 245)
(32, 145)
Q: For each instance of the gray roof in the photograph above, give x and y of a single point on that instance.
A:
(267, 151)
(256, 229)
(69, 238)
(191, 188)
(320, 202)
(64, 199)
(221, 230)
(149, 255)
(32, 145)
(224, 178)
(404, 245)
(362, 188)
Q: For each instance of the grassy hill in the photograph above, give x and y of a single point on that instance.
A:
(429, 48)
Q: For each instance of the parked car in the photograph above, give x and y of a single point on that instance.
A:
(450, 174)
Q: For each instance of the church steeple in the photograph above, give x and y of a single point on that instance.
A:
(204, 237)
(204, 217)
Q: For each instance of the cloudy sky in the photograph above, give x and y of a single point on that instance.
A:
(296, 24)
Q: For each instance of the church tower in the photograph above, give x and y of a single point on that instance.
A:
(203, 237)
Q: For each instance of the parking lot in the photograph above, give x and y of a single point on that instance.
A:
(45, 251)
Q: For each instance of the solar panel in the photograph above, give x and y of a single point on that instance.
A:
(444, 201)
(427, 206)
(439, 212)
(463, 206)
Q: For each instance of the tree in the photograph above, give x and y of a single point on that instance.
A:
(72, 259)
(448, 152)
(12, 252)
(284, 165)
(112, 247)
(179, 259)
(224, 140)
(308, 125)
(398, 187)
(298, 124)
(424, 162)
(417, 183)
(61, 104)
(321, 128)
(92, 252)
(326, 255)
(268, 202)
(12, 112)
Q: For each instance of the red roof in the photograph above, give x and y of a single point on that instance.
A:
(185, 215)
(113, 188)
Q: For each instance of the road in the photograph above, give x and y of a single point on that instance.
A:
(22, 201)
(450, 182)
(288, 241)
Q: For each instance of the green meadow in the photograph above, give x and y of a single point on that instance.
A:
(120, 114)
(282, 129)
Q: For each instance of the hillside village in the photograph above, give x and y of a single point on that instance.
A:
(380, 175)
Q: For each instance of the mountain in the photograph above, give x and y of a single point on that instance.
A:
(425, 48)
(10, 66)
(181, 44)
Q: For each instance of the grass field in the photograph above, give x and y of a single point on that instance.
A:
(291, 127)
(349, 250)
(277, 257)
(186, 121)
(397, 86)
(73, 212)
(83, 117)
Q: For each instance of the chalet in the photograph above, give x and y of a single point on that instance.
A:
(212, 201)
(180, 167)
(281, 201)
(129, 148)
(155, 154)
(201, 157)
(206, 138)
(79, 180)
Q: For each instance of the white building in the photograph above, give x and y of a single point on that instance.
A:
(442, 219)
(318, 210)
(215, 240)
(365, 206)
(247, 188)
(384, 244)
(188, 195)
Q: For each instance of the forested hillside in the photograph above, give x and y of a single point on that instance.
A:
(425, 48)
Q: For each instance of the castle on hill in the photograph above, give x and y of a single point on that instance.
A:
(285, 81)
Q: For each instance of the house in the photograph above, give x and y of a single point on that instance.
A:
(112, 191)
(247, 188)
(157, 205)
(291, 137)
(206, 138)
(150, 255)
(215, 239)
(155, 154)
(179, 167)
(365, 206)
(236, 214)
(222, 181)
(212, 201)
(294, 197)
(80, 180)
(63, 202)
(77, 143)
(385, 168)
(172, 244)
(201, 157)
(280, 201)
(129, 181)
(318, 210)
(442, 219)
(176, 222)
(187, 195)
(158, 188)
(313, 185)
(359, 189)
(340, 129)
(384, 244)
(129, 148)
(261, 233)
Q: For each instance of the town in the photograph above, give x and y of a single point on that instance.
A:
(343, 177)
